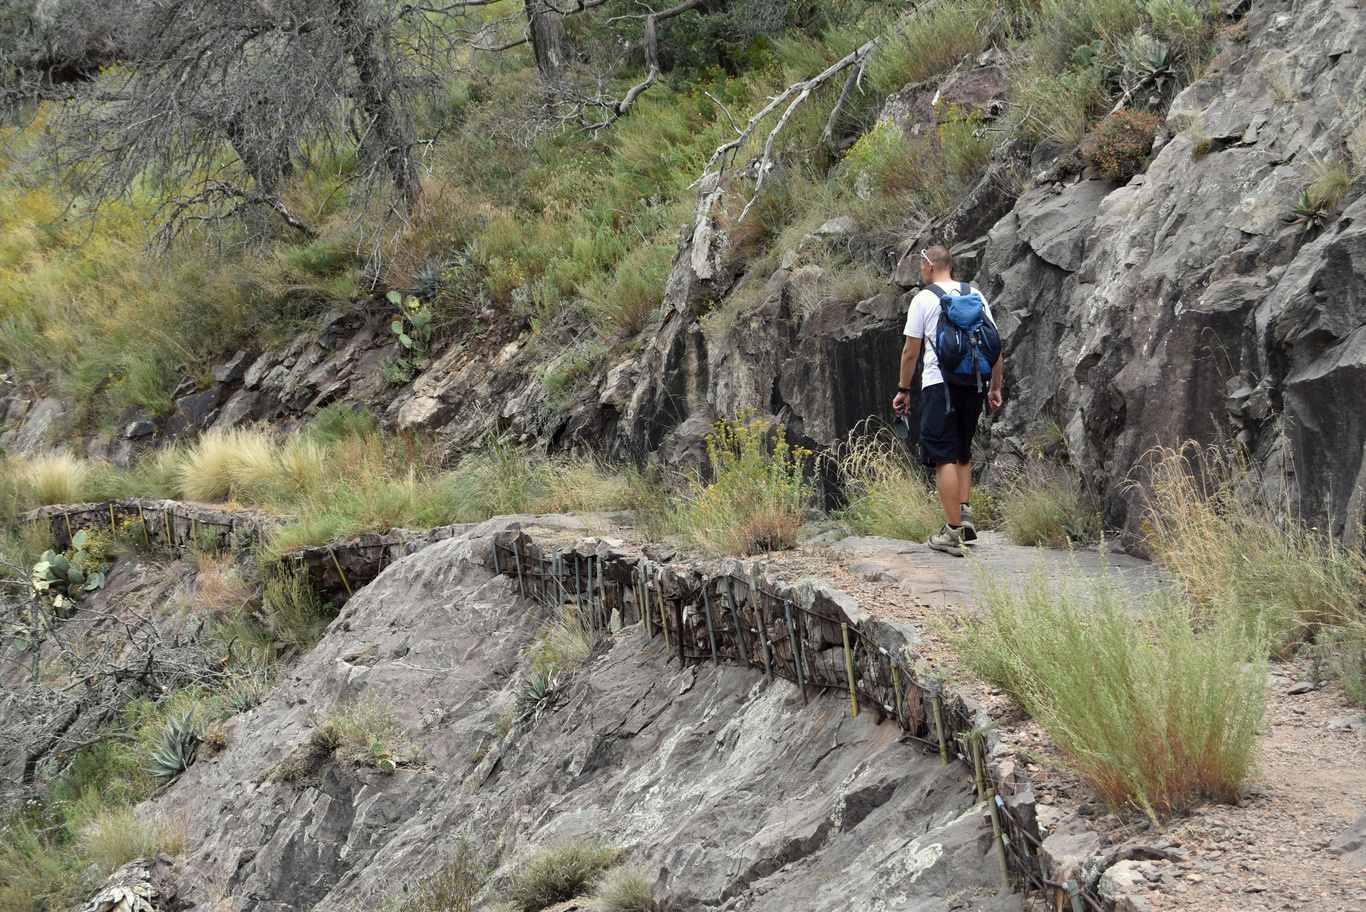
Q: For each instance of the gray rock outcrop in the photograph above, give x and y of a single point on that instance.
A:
(1184, 305)
(724, 790)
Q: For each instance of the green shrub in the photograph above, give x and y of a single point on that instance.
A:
(1121, 146)
(1043, 503)
(1154, 714)
(758, 492)
(558, 874)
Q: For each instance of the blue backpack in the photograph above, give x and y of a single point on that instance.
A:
(967, 342)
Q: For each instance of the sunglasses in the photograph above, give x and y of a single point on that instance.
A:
(925, 256)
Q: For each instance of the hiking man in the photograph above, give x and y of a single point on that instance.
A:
(948, 410)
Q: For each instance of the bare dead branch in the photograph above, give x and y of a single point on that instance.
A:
(650, 39)
(792, 96)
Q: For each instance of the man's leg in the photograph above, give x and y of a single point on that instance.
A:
(954, 481)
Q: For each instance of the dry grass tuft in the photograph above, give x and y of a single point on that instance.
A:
(1154, 713)
(1208, 522)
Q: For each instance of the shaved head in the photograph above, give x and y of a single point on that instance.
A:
(940, 258)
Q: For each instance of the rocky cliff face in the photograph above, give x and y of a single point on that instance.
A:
(1184, 305)
(726, 791)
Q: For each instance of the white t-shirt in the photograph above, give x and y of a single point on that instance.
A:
(922, 322)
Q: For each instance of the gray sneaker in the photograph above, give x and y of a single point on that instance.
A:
(949, 541)
(969, 531)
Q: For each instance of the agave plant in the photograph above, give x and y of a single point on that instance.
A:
(176, 750)
(1310, 211)
(541, 692)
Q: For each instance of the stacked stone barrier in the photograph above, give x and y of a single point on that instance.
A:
(807, 633)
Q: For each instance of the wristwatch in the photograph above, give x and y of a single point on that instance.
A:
(903, 389)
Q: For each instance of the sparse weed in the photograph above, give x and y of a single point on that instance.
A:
(454, 886)
(1043, 503)
(887, 492)
(294, 613)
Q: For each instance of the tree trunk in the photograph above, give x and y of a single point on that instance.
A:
(547, 40)
(387, 128)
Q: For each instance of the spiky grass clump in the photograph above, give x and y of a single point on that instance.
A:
(558, 874)
(1206, 520)
(562, 645)
(887, 492)
(1154, 713)
(226, 462)
(53, 478)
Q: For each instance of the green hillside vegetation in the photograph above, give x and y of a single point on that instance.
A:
(520, 213)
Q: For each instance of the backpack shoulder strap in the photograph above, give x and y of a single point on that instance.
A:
(964, 289)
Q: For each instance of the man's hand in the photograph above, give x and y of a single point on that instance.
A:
(993, 400)
(901, 403)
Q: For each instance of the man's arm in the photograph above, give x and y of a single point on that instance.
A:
(910, 353)
(994, 393)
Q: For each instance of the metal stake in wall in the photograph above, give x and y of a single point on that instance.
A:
(849, 668)
(663, 621)
(645, 604)
(521, 577)
(739, 628)
(975, 747)
(796, 649)
(765, 646)
(900, 713)
(602, 597)
(998, 836)
(336, 563)
(711, 632)
(578, 582)
(678, 620)
(939, 727)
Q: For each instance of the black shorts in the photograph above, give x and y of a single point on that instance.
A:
(946, 436)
